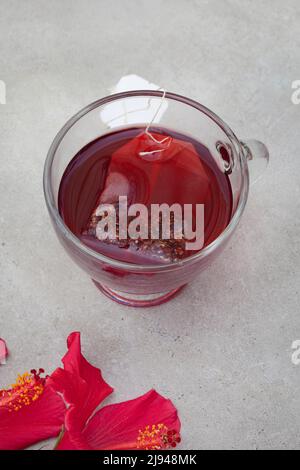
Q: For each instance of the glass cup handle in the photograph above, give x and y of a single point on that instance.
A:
(257, 156)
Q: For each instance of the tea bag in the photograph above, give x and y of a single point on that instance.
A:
(150, 169)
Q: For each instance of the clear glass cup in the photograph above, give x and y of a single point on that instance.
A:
(144, 285)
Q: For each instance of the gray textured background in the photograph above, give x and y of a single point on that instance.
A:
(222, 350)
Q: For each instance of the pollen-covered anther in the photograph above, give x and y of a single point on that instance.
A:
(157, 437)
(26, 390)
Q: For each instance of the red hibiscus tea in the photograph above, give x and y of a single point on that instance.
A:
(148, 168)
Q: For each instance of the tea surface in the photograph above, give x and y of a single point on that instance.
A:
(129, 163)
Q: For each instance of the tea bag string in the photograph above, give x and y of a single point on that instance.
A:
(148, 133)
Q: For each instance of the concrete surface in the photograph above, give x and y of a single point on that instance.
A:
(222, 350)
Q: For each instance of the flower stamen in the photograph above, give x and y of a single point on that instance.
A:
(26, 390)
(157, 437)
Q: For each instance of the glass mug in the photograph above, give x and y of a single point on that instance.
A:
(148, 285)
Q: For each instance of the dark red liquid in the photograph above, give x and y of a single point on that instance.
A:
(110, 166)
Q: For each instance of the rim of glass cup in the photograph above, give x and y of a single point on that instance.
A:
(54, 213)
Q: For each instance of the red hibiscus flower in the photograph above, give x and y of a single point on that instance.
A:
(148, 422)
(30, 411)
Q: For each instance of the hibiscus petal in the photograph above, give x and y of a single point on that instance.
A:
(117, 426)
(40, 420)
(80, 383)
(3, 351)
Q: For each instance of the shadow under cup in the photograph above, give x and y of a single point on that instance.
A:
(145, 285)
